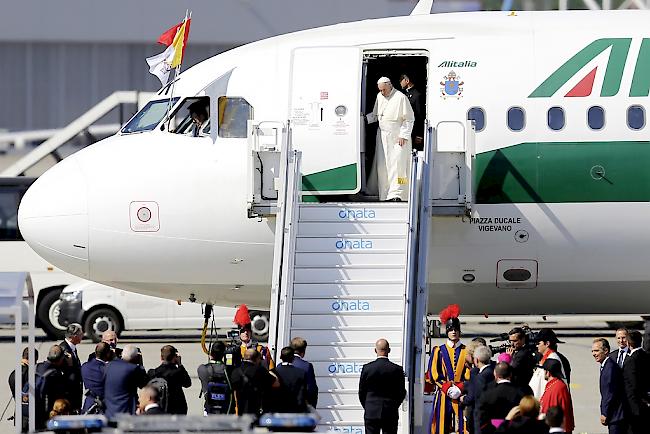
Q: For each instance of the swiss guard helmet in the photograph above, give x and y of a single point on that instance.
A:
(449, 317)
(242, 318)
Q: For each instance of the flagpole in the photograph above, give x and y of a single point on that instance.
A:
(177, 71)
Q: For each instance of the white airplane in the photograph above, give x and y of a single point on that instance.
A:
(561, 189)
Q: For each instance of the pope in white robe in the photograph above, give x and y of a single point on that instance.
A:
(392, 162)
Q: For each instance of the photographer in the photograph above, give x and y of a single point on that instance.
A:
(523, 361)
(174, 373)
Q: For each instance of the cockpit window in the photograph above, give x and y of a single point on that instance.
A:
(192, 117)
(150, 116)
(234, 114)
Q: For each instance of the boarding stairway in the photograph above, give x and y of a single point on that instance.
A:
(344, 276)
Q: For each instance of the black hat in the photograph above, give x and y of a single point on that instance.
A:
(545, 335)
(452, 324)
(554, 367)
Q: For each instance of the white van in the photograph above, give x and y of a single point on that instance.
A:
(99, 308)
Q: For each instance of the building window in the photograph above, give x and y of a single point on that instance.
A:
(477, 115)
(555, 118)
(516, 118)
(234, 114)
(596, 117)
(636, 117)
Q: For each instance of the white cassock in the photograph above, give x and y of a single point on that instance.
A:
(392, 162)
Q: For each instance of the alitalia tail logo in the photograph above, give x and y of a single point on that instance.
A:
(612, 77)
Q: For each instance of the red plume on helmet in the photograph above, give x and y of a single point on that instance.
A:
(242, 318)
(451, 311)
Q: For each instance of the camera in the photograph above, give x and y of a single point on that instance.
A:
(504, 343)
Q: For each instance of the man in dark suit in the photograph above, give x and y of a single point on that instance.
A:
(123, 378)
(611, 388)
(56, 383)
(299, 346)
(73, 336)
(293, 385)
(500, 398)
(93, 373)
(252, 383)
(417, 104)
(554, 418)
(636, 380)
(173, 371)
(523, 362)
(623, 351)
(479, 381)
(24, 370)
(381, 391)
(148, 401)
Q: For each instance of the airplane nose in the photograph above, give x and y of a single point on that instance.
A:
(53, 217)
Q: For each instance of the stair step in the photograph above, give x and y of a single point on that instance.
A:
(347, 274)
(357, 243)
(347, 289)
(347, 322)
(353, 212)
(341, 414)
(351, 228)
(362, 306)
(349, 352)
(346, 258)
(326, 400)
(354, 336)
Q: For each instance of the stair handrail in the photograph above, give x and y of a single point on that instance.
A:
(289, 198)
(416, 277)
(75, 127)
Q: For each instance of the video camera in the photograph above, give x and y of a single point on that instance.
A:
(503, 338)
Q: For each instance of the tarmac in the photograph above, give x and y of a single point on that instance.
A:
(584, 374)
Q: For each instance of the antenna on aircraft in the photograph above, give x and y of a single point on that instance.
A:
(423, 7)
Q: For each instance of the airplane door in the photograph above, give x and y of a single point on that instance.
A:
(325, 104)
(451, 174)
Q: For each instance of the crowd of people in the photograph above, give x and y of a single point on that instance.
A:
(526, 389)
(521, 387)
(239, 378)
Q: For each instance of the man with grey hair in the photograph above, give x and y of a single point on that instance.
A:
(392, 162)
(123, 378)
(73, 336)
(481, 377)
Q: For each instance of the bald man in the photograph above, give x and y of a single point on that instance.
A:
(381, 391)
(392, 162)
(109, 337)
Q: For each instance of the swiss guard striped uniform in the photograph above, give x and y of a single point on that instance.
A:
(447, 368)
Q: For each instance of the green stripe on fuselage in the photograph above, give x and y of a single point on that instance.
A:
(564, 172)
(342, 178)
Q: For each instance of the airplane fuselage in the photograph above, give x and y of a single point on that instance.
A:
(561, 199)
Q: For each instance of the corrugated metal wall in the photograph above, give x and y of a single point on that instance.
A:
(47, 85)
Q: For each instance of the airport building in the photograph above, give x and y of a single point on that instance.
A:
(61, 58)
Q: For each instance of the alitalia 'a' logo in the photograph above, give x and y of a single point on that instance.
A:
(618, 54)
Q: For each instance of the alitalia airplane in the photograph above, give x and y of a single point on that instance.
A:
(561, 179)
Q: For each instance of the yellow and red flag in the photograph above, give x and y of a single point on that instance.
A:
(175, 39)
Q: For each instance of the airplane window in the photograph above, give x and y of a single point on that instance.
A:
(234, 114)
(596, 117)
(477, 115)
(555, 118)
(192, 117)
(636, 117)
(150, 116)
(10, 196)
(516, 118)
